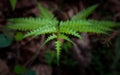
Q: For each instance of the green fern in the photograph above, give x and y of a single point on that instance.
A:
(46, 23)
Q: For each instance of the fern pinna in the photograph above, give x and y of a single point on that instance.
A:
(46, 23)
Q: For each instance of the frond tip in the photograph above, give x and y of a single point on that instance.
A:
(84, 13)
(58, 45)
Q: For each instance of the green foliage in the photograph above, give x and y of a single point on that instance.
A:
(13, 3)
(19, 69)
(19, 36)
(28, 24)
(46, 23)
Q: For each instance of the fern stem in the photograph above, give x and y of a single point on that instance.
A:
(58, 40)
(29, 62)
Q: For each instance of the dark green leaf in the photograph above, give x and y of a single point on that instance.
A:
(5, 41)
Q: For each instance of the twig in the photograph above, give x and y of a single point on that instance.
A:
(29, 62)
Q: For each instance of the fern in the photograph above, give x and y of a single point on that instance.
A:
(46, 23)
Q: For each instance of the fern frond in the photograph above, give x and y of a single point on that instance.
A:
(93, 29)
(58, 45)
(25, 24)
(65, 38)
(41, 30)
(74, 24)
(87, 26)
(84, 13)
(44, 12)
(101, 26)
(69, 31)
